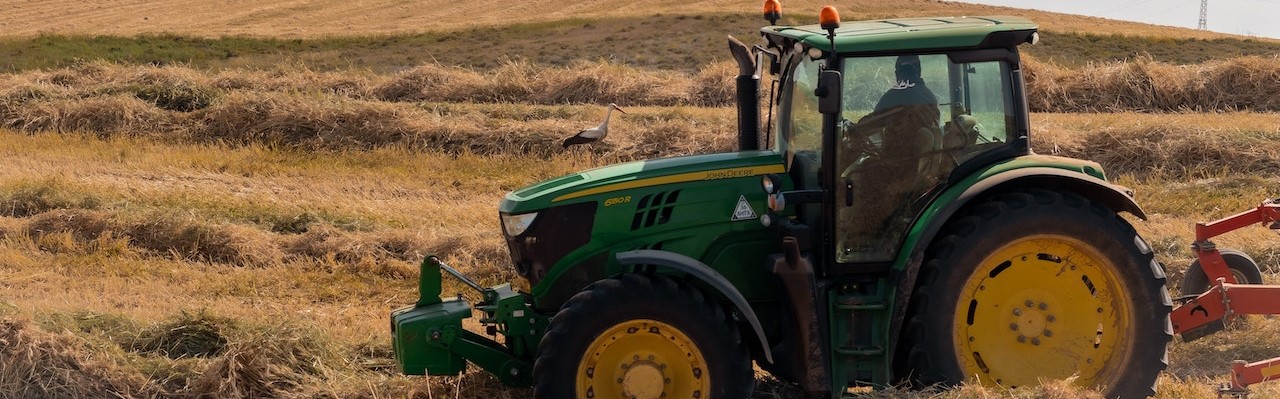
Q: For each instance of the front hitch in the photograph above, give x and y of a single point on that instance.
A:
(427, 338)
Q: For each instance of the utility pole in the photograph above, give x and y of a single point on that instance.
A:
(1204, 15)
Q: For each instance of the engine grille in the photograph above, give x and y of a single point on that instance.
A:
(553, 234)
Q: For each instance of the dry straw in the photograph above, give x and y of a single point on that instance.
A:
(52, 217)
(1173, 151)
(36, 364)
(1237, 84)
(440, 108)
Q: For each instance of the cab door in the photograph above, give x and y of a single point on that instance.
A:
(908, 121)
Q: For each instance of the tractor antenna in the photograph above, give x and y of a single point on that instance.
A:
(1204, 15)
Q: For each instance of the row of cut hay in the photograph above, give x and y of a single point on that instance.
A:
(183, 89)
(1238, 84)
(332, 122)
(581, 82)
(388, 253)
(1173, 151)
(199, 355)
(38, 364)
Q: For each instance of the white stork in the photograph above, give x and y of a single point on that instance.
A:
(596, 133)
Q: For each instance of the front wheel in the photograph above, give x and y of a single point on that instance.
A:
(1035, 285)
(639, 336)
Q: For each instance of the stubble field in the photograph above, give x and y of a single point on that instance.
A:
(242, 230)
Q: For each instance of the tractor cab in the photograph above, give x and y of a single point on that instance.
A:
(913, 111)
(912, 116)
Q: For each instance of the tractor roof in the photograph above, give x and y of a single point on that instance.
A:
(906, 33)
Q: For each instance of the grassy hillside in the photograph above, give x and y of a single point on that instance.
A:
(206, 200)
(660, 41)
(328, 18)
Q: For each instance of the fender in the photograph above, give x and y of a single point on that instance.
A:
(707, 275)
(1114, 197)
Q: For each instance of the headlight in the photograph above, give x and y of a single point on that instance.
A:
(517, 224)
(769, 183)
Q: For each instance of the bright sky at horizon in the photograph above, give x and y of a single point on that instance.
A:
(1241, 17)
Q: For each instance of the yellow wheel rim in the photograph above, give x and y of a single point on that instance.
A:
(643, 359)
(1044, 307)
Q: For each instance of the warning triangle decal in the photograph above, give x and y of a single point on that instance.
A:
(743, 211)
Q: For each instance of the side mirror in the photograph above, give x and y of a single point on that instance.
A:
(828, 92)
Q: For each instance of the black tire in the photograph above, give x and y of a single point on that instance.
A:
(1051, 248)
(596, 313)
(1242, 267)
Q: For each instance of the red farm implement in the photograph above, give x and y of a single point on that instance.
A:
(1229, 283)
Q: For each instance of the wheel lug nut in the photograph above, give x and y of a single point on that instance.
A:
(1044, 306)
(1030, 304)
(1048, 333)
(1013, 326)
(1035, 341)
(1050, 318)
(1017, 312)
(1022, 339)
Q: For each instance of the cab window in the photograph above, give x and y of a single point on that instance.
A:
(907, 122)
(801, 130)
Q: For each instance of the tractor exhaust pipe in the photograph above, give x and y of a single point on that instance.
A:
(748, 89)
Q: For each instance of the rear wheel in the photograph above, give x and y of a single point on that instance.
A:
(1242, 268)
(640, 336)
(1035, 285)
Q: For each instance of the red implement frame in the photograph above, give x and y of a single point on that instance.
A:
(1211, 310)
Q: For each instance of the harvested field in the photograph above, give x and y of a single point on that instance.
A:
(233, 206)
(179, 259)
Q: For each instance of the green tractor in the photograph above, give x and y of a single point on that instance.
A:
(897, 230)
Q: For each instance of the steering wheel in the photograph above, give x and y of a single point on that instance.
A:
(856, 141)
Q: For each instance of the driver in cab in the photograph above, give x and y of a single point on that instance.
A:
(907, 113)
(895, 141)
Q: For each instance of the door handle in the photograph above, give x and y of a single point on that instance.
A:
(848, 192)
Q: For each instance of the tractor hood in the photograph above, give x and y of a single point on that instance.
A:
(589, 185)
